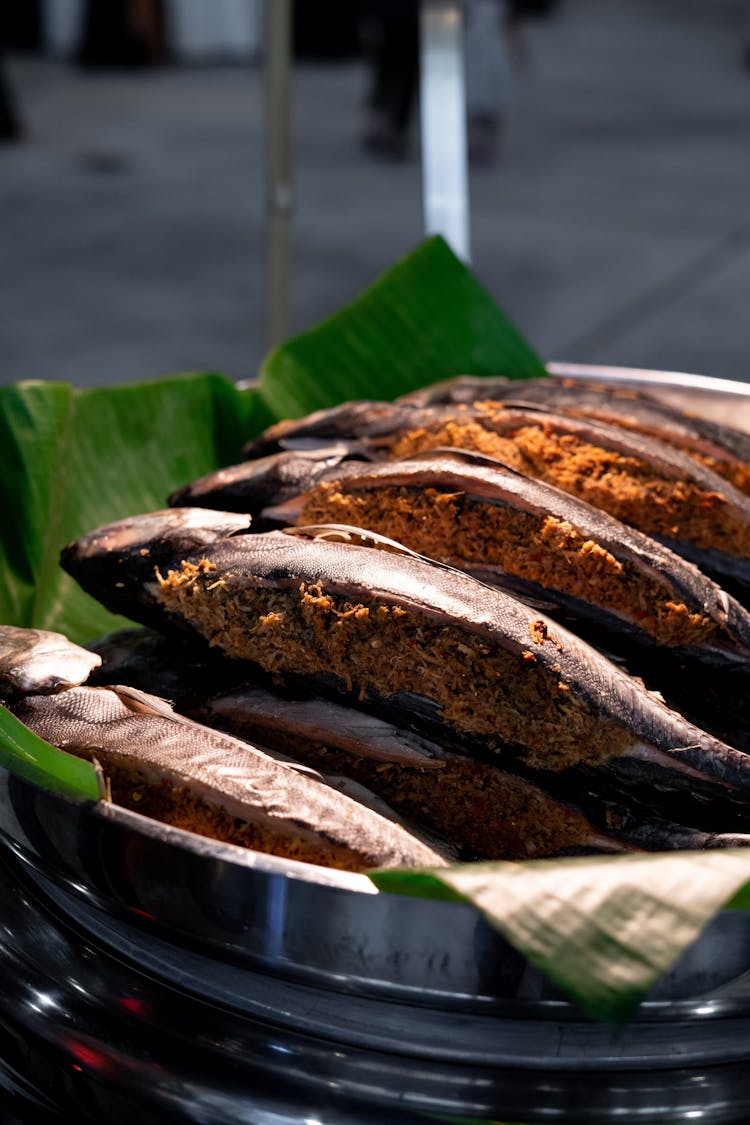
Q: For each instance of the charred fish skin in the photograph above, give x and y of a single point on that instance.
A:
(347, 424)
(641, 481)
(252, 486)
(313, 607)
(172, 669)
(118, 561)
(163, 764)
(487, 812)
(724, 449)
(36, 661)
(519, 532)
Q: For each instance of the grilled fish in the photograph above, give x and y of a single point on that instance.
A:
(435, 643)
(721, 448)
(175, 770)
(487, 812)
(643, 482)
(482, 810)
(473, 513)
(37, 661)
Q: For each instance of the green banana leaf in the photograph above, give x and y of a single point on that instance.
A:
(603, 928)
(72, 460)
(35, 760)
(426, 319)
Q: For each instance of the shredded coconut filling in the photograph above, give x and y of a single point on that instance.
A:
(486, 812)
(628, 488)
(509, 697)
(454, 529)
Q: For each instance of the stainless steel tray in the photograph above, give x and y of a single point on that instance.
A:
(724, 400)
(372, 1006)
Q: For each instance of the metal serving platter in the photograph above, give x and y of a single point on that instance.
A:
(143, 966)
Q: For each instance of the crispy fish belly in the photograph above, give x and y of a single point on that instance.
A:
(487, 812)
(387, 626)
(36, 661)
(181, 773)
(723, 449)
(473, 513)
(120, 556)
(641, 482)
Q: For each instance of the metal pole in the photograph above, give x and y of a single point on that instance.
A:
(443, 111)
(278, 169)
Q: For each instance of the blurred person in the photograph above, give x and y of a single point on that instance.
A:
(19, 29)
(488, 77)
(10, 124)
(127, 33)
(495, 45)
(390, 34)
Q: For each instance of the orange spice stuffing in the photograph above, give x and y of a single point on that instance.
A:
(455, 529)
(729, 467)
(482, 810)
(181, 807)
(629, 488)
(480, 686)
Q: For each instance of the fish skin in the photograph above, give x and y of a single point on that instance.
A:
(443, 595)
(317, 719)
(622, 814)
(124, 725)
(663, 458)
(372, 430)
(252, 485)
(40, 662)
(254, 711)
(489, 481)
(350, 420)
(107, 562)
(606, 402)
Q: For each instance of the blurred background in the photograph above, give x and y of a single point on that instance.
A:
(609, 177)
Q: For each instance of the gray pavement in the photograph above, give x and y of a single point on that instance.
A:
(615, 228)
